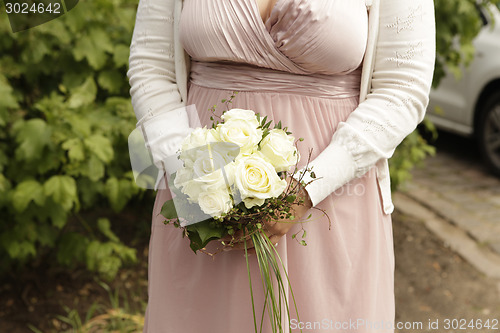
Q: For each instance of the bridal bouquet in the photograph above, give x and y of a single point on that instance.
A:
(232, 183)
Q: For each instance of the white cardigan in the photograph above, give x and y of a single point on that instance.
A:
(396, 79)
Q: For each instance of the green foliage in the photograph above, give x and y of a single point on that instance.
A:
(410, 153)
(65, 115)
(202, 233)
(457, 24)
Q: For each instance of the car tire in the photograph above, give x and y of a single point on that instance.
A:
(489, 133)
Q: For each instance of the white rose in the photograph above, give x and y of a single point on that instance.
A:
(227, 150)
(242, 133)
(215, 203)
(280, 150)
(197, 140)
(214, 157)
(206, 162)
(216, 180)
(213, 136)
(240, 127)
(241, 114)
(192, 189)
(257, 180)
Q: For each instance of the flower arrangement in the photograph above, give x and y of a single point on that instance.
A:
(232, 184)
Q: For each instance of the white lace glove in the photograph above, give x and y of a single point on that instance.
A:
(163, 135)
(154, 146)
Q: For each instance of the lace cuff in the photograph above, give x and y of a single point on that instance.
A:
(163, 135)
(333, 168)
(364, 154)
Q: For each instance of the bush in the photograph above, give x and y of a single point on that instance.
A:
(457, 24)
(65, 115)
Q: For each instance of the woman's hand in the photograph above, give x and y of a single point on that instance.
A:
(274, 229)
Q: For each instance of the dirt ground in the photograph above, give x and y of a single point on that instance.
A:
(433, 285)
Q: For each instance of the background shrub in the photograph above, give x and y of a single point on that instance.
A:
(65, 116)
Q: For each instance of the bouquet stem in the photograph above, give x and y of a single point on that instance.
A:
(276, 301)
(250, 282)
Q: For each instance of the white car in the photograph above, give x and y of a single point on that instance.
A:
(471, 106)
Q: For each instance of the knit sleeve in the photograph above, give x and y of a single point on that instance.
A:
(156, 99)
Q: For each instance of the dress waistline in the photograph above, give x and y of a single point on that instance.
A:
(242, 77)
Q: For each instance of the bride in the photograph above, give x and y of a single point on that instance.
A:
(352, 78)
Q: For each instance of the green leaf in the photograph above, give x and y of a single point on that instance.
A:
(25, 192)
(32, 136)
(104, 226)
(121, 55)
(168, 210)
(291, 198)
(84, 49)
(111, 80)
(95, 251)
(93, 169)
(202, 233)
(75, 149)
(80, 126)
(73, 79)
(109, 266)
(84, 94)
(8, 100)
(126, 253)
(119, 192)
(57, 29)
(62, 189)
(106, 258)
(93, 47)
(35, 54)
(54, 212)
(100, 146)
(20, 250)
(264, 121)
(195, 242)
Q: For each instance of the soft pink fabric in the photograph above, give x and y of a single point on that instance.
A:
(344, 277)
(300, 36)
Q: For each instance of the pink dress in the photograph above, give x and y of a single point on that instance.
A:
(301, 66)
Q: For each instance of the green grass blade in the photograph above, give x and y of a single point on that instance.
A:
(266, 260)
(289, 285)
(250, 282)
(264, 269)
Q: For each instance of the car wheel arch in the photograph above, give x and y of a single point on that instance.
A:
(491, 88)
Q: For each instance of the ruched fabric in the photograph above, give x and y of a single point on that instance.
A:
(251, 78)
(300, 67)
